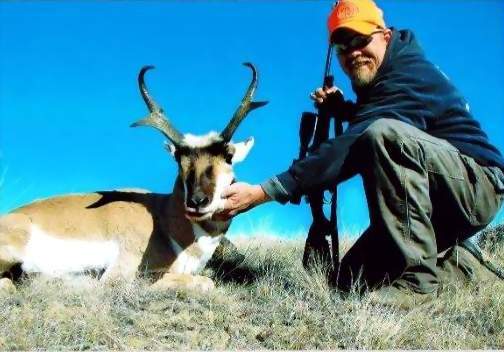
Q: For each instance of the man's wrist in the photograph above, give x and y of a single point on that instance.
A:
(260, 196)
(275, 190)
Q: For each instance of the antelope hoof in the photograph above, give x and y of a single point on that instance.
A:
(204, 284)
(7, 286)
(198, 284)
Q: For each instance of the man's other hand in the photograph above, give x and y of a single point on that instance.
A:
(328, 97)
(320, 95)
(240, 197)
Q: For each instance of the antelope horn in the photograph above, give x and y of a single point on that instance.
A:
(156, 118)
(245, 107)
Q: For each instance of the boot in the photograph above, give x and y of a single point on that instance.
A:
(466, 262)
(316, 246)
(400, 296)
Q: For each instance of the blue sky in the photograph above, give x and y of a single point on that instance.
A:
(68, 88)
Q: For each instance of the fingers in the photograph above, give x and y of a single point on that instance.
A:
(320, 94)
(226, 210)
(233, 189)
(227, 192)
(233, 197)
(332, 90)
(236, 198)
(229, 204)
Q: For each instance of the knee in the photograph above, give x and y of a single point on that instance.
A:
(383, 131)
(388, 141)
(380, 139)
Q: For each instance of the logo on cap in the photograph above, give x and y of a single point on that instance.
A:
(346, 10)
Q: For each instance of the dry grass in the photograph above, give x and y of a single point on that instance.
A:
(270, 302)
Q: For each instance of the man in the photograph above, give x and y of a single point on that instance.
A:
(431, 177)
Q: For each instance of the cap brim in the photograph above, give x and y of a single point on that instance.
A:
(361, 27)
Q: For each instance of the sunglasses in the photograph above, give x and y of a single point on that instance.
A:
(346, 44)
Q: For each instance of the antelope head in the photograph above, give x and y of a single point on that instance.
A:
(205, 162)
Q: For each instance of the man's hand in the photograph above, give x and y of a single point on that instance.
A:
(240, 197)
(324, 94)
(329, 99)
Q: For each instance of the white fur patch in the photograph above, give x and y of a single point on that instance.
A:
(201, 141)
(185, 264)
(55, 256)
(207, 244)
(189, 264)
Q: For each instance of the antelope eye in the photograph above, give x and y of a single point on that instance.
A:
(229, 158)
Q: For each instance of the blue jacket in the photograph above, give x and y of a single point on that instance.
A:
(409, 88)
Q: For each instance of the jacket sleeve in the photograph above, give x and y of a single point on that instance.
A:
(319, 170)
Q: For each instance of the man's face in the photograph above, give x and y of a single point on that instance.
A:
(361, 63)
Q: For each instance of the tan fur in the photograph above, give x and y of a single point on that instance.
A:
(13, 238)
(141, 223)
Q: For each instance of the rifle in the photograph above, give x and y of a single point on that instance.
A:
(316, 126)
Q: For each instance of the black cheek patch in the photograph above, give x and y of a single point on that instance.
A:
(190, 182)
(179, 151)
(208, 185)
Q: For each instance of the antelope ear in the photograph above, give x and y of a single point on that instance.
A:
(241, 150)
(170, 148)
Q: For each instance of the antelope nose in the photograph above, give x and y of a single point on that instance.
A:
(197, 201)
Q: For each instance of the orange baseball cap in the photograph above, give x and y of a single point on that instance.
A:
(362, 16)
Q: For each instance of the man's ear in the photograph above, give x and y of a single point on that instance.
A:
(387, 34)
(241, 150)
(170, 148)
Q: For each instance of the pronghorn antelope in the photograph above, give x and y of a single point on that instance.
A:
(126, 233)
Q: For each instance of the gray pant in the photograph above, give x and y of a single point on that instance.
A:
(423, 197)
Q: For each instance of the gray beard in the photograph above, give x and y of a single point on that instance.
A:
(362, 77)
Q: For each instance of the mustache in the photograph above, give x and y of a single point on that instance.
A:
(357, 62)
